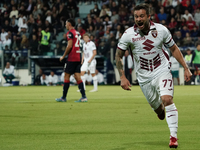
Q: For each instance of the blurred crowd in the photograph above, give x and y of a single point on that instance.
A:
(34, 24)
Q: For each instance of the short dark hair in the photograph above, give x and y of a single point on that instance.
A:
(143, 6)
(71, 21)
(188, 49)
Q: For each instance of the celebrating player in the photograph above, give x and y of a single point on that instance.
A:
(73, 63)
(147, 41)
(88, 61)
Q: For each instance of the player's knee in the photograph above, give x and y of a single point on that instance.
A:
(167, 100)
(77, 78)
(67, 76)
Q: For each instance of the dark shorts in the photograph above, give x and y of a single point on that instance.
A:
(72, 67)
(175, 74)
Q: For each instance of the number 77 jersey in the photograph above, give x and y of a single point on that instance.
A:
(75, 53)
(149, 53)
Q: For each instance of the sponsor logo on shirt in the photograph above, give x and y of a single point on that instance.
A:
(148, 45)
(138, 39)
(148, 53)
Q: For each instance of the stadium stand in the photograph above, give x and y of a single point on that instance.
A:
(104, 20)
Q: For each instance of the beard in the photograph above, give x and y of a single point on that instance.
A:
(143, 25)
(146, 26)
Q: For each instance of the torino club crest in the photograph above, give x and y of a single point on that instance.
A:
(154, 33)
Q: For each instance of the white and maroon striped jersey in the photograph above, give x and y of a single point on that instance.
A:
(149, 52)
(88, 49)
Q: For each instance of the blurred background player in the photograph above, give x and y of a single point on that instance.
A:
(89, 61)
(128, 64)
(196, 63)
(188, 57)
(44, 79)
(175, 69)
(8, 73)
(53, 78)
(73, 62)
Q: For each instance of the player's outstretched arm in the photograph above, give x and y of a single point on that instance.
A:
(179, 57)
(67, 50)
(125, 84)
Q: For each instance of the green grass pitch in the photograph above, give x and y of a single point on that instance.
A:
(112, 119)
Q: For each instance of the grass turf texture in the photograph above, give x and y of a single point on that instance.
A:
(112, 119)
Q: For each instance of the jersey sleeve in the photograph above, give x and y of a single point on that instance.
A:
(93, 46)
(168, 41)
(69, 36)
(124, 41)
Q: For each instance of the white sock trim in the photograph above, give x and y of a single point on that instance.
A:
(95, 83)
(172, 119)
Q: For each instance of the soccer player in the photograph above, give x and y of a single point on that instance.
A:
(147, 41)
(89, 61)
(175, 69)
(73, 62)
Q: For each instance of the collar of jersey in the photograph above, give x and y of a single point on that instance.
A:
(87, 42)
